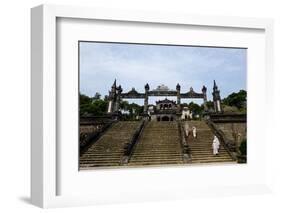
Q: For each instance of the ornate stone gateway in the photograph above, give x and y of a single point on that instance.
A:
(165, 110)
(116, 95)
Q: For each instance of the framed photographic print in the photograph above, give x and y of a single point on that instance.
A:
(148, 105)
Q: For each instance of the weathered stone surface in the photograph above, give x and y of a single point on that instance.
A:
(234, 131)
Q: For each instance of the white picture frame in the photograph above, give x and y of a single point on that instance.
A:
(44, 149)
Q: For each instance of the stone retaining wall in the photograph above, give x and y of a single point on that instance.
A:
(234, 131)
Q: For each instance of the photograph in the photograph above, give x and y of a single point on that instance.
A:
(152, 105)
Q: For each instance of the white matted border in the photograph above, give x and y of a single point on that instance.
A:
(44, 103)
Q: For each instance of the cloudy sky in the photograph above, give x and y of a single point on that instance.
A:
(134, 65)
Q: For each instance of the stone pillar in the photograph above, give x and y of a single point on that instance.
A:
(118, 98)
(178, 87)
(217, 99)
(112, 98)
(109, 109)
(204, 91)
(145, 108)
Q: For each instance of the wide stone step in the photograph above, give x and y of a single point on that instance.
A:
(157, 154)
(163, 137)
(205, 148)
(96, 160)
(207, 152)
(157, 151)
(105, 149)
(211, 156)
(159, 147)
(208, 155)
(97, 155)
(208, 146)
(196, 150)
(100, 161)
(149, 159)
(156, 157)
(98, 165)
(155, 163)
(212, 160)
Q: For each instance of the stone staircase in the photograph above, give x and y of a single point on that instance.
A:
(158, 144)
(108, 150)
(201, 147)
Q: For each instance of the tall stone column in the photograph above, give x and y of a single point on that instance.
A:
(178, 98)
(217, 99)
(118, 98)
(112, 98)
(109, 108)
(204, 91)
(145, 108)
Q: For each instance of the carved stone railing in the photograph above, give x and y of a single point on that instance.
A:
(88, 139)
(184, 145)
(227, 143)
(129, 147)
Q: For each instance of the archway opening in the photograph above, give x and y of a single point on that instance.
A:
(165, 118)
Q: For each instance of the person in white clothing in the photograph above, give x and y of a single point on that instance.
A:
(186, 129)
(194, 132)
(216, 146)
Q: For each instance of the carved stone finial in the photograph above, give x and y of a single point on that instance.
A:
(114, 84)
(146, 86)
(215, 85)
(178, 87)
(204, 89)
(120, 89)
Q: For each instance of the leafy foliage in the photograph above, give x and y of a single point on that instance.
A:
(92, 106)
(133, 109)
(84, 99)
(243, 147)
(210, 105)
(195, 108)
(236, 99)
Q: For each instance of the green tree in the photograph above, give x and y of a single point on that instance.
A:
(210, 105)
(90, 106)
(84, 99)
(238, 100)
(135, 109)
(124, 105)
(243, 147)
(195, 108)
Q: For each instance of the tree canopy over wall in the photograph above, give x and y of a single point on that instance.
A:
(92, 106)
(236, 100)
